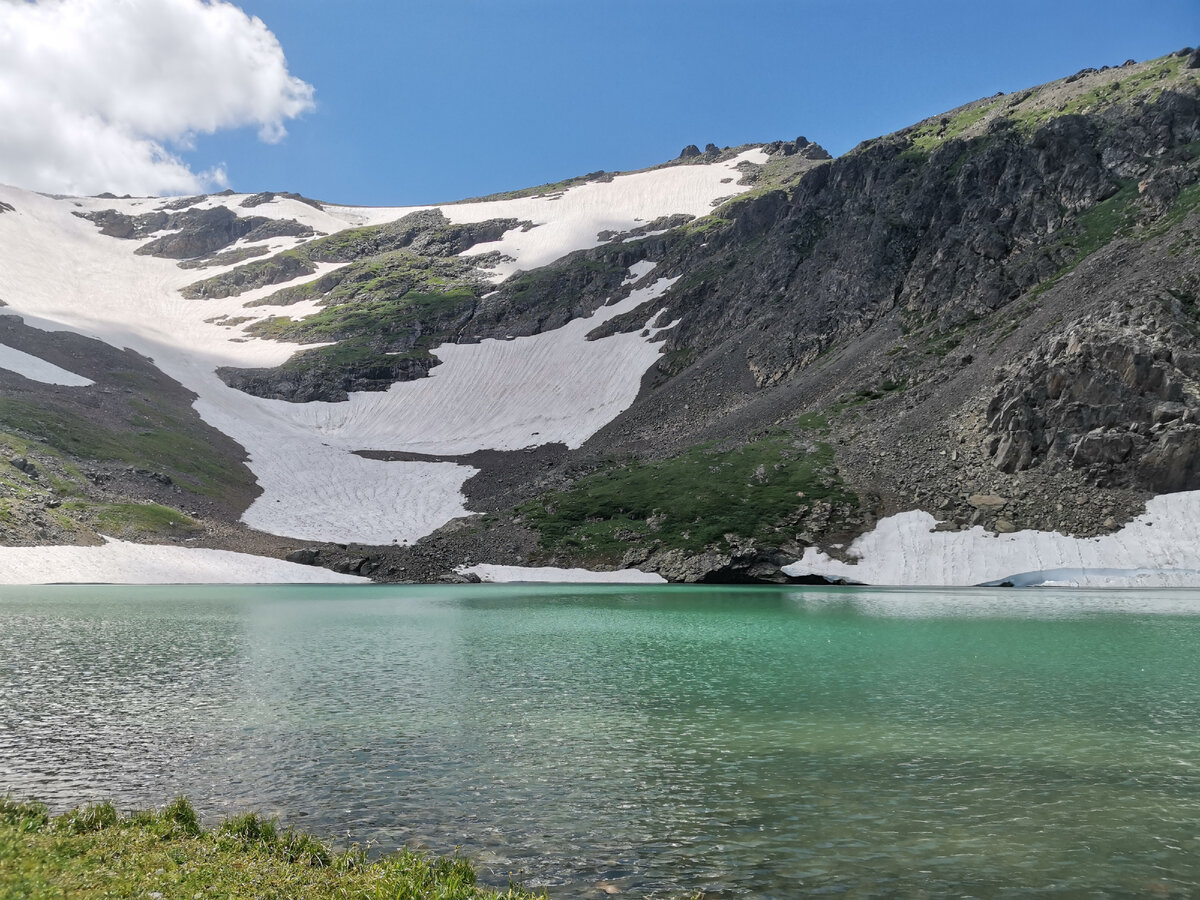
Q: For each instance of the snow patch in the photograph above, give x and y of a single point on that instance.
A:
(121, 562)
(639, 270)
(552, 575)
(1161, 547)
(36, 369)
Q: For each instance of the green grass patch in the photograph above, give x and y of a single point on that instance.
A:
(675, 361)
(883, 389)
(423, 234)
(373, 318)
(705, 224)
(132, 518)
(389, 274)
(154, 439)
(92, 853)
(690, 501)
(1105, 221)
(936, 132)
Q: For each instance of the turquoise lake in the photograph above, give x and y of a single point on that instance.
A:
(755, 742)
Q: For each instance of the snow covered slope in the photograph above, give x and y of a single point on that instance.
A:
(59, 272)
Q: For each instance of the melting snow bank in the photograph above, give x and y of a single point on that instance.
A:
(36, 369)
(1160, 548)
(120, 562)
(552, 575)
(1114, 578)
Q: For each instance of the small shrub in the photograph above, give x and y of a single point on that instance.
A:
(297, 847)
(180, 817)
(249, 830)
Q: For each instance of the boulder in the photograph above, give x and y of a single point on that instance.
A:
(987, 502)
(24, 465)
(1014, 452)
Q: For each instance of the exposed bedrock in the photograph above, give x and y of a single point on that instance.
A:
(195, 232)
(302, 382)
(424, 233)
(1117, 395)
(946, 235)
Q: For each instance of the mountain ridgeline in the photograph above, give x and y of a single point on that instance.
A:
(991, 315)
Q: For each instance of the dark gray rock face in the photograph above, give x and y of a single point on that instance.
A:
(206, 231)
(196, 232)
(302, 382)
(946, 237)
(747, 564)
(276, 270)
(267, 196)
(1116, 395)
(184, 202)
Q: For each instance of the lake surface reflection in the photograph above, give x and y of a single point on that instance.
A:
(742, 742)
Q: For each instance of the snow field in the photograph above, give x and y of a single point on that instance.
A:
(1161, 548)
(639, 270)
(36, 369)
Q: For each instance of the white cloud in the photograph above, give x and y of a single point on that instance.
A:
(95, 94)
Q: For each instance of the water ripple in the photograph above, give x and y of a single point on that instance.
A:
(739, 743)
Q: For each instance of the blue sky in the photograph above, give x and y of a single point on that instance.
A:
(426, 101)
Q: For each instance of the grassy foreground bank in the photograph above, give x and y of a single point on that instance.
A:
(92, 852)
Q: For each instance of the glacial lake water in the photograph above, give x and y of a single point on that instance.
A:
(754, 742)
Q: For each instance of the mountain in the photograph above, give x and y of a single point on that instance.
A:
(963, 352)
